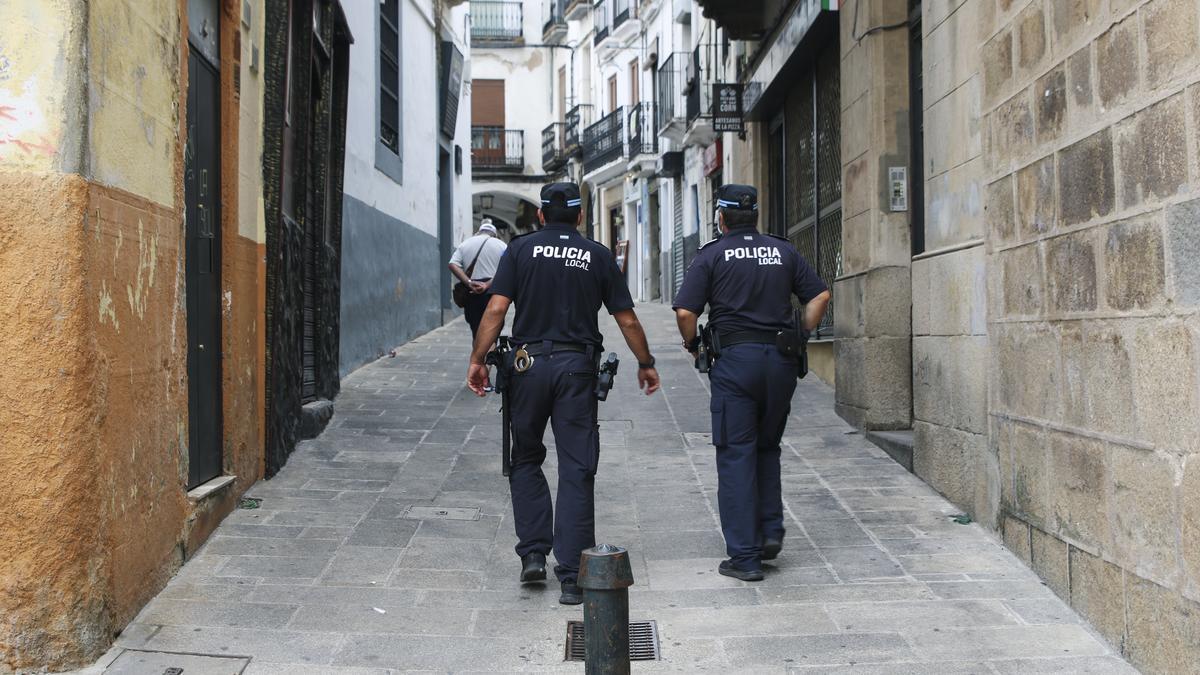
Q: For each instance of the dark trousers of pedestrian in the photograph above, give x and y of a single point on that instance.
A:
(560, 389)
(752, 386)
(476, 304)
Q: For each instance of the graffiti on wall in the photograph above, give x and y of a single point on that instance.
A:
(24, 130)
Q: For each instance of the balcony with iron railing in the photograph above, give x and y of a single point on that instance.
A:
(496, 149)
(698, 104)
(624, 13)
(578, 119)
(554, 147)
(601, 23)
(554, 29)
(642, 138)
(604, 141)
(671, 105)
(496, 22)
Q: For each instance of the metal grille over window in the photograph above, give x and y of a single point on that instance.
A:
(389, 74)
(812, 131)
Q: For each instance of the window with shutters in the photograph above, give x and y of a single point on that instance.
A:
(388, 149)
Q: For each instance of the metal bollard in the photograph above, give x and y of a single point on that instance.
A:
(605, 577)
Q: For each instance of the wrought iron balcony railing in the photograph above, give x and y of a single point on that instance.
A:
(672, 80)
(699, 94)
(642, 137)
(622, 11)
(579, 118)
(555, 27)
(604, 141)
(493, 21)
(497, 149)
(554, 147)
(601, 21)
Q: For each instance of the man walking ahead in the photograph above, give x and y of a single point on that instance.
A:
(483, 251)
(558, 279)
(748, 280)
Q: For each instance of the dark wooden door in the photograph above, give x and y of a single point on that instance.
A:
(203, 269)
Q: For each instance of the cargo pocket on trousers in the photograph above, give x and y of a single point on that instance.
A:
(717, 408)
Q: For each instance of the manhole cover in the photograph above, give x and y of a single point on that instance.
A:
(643, 641)
(442, 513)
(135, 662)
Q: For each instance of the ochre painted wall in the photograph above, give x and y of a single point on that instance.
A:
(93, 386)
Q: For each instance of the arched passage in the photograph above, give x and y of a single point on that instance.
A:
(513, 214)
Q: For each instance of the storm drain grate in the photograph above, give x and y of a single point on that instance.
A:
(643, 641)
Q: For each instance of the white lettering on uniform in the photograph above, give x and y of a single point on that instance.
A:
(765, 255)
(572, 255)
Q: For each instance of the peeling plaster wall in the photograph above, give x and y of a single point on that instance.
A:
(93, 387)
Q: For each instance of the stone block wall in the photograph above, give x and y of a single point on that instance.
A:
(1092, 187)
(873, 349)
(949, 279)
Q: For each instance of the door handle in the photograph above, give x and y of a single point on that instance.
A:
(200, 347)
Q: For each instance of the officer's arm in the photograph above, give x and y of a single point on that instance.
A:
(814, 310)
(686, 319)
(489, 328)
(635, 337)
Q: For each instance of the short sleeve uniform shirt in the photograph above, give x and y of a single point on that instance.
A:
(748, 279)
(559, 279)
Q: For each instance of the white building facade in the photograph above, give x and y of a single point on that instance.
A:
(408, 171)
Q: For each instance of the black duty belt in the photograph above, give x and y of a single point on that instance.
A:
(738, 337)
(540, 348)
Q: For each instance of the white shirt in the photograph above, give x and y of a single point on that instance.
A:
(489, 249)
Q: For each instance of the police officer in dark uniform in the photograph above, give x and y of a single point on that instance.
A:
(747, 279)
(558, 279)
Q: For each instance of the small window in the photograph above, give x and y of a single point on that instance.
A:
(389, 74)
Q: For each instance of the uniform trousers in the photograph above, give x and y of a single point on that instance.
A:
(752, 386)
(558, 388)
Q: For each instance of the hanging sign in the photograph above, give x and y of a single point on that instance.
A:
(727, 107)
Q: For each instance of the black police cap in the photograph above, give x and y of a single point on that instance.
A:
(733, 196)
(561, 195)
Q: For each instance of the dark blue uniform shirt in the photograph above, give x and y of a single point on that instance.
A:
(558, 279)
(747, 278)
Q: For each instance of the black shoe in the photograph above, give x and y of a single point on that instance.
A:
(533, 567)
(571, 595)
(729, 570)
(771, 548)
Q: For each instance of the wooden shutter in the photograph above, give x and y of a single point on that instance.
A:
(487, 103)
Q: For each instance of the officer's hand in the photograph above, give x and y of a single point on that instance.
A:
(648, 380)
(477, 378)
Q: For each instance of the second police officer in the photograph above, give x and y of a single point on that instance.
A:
(747, 279)
(558, 279)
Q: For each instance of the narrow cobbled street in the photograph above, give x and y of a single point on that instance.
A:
(343, 567)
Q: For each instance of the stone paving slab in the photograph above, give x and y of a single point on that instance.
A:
(332, 575)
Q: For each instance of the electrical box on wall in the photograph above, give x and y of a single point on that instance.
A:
(898, 187)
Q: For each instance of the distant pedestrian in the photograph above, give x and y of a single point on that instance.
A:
(558, 280)
(747, 279)
(475, 279)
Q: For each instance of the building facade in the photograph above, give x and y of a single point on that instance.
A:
(202, 236)
(1015, 309)
(408, 172)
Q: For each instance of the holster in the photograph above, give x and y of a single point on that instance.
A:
(793, 342)
(708, 349)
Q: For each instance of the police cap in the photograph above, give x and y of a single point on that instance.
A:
(741, 197)
(562, 195)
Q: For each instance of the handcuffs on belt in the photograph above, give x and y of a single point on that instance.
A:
(522, 360)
